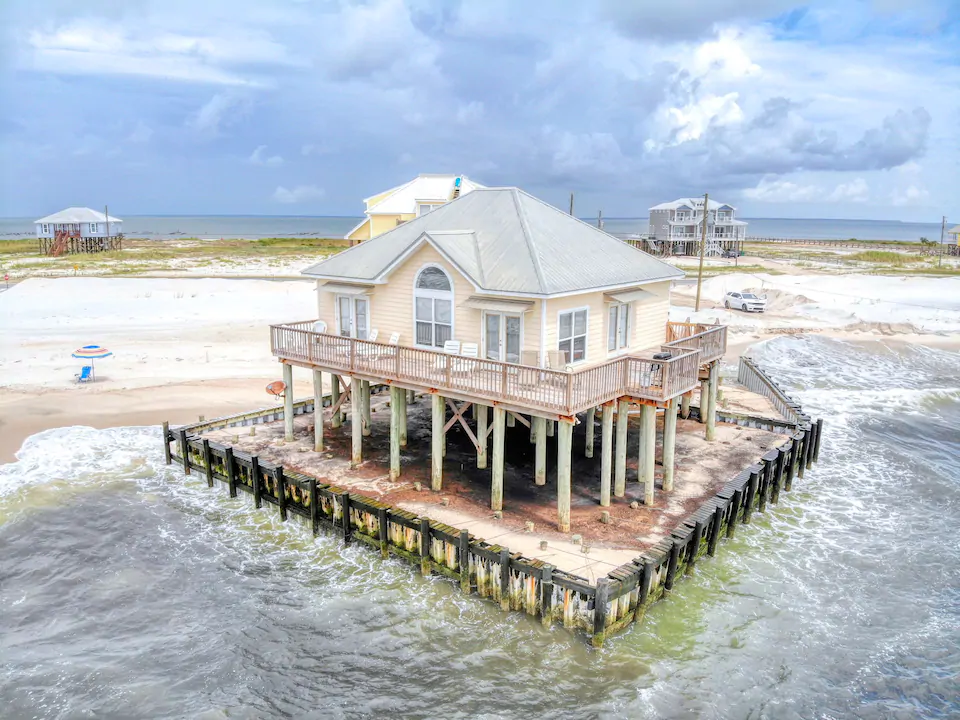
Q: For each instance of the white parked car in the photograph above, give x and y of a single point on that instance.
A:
(745, 301)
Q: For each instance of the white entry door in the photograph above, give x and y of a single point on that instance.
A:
(353, 314)
(502, 337)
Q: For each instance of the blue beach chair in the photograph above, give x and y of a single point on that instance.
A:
(85, 374)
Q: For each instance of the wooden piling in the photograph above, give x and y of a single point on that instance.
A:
(669, 444)
(751, 496)
(317, 411)
(383, 532)
(367, 415)
(356, 423)
(600, 612)
(685, 405)
(167, 458)
(402, 405)
(606, 453)
(255, 482)
(591, 419)
(802, 453)
(482, 442)
(185, 452)
(564, 446)
(712, 401)
(504, 579)
(816, 446)
(496, 485)
(436, 444)
(345, 517)
(231, 467)
(694, 546)
(811, 443)
(777, 476)
(646, 576)
(620, 465)
(281, 486)
(288, 402)
(540, 452)
(546, 595)
(336, 419)
(764, 487)
(715, 525)
(463, 559)
(672, 565)
(314, 507)
(424, 546)
(791, 465)
(395, 424)
(208, 462)
(649, 443)
(734, 513)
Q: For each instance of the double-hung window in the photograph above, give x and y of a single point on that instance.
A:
(433, 307)
(618, 326)
(572, 335)
(93, 228)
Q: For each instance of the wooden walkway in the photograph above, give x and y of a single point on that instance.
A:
(538, 390)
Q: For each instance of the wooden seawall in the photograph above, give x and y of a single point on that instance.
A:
(492, 571)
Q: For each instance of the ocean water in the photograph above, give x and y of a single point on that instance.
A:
(129, 591)
(233, 226)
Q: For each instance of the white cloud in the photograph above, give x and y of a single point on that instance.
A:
(258, 157)
(220, 110)
(911, 195)
(299, 194)
(779, 190)
(315, 149)
(854, 191)
(470, 112)
(141, 133)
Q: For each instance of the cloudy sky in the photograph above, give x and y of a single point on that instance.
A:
(830, 108)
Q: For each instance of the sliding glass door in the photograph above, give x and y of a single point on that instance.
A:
(502, 337)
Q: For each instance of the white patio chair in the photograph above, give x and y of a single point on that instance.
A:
(369, 350)
(467, 350)
(450, 347)
(319, 326)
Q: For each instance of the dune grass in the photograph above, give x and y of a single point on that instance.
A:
(884, 257)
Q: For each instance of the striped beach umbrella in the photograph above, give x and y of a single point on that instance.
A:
(91, 353)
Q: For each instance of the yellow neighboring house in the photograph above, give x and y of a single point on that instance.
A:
(405, 202)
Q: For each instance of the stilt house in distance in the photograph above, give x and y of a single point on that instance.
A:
(78, 230)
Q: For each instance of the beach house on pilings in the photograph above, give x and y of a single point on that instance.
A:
(501, 301)
(387, 209)
(676, 228)
(78, 230)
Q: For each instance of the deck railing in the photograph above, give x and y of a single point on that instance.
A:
(710, 340)
(555, 391)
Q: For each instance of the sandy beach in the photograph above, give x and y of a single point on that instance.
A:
(198, 346)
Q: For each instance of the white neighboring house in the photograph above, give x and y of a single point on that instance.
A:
(78, 229)
(387, 209)
(677, 226)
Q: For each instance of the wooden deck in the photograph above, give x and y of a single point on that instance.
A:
(526, 388)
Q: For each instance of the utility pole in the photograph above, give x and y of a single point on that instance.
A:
(943, 225)
(703, 247)
(106, 217)
(571, 203)
(600, 219)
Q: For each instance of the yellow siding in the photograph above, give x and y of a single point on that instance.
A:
(361, 233)
(382, 223)
(648, 324)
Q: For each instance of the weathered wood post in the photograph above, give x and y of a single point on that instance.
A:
(402, 406)
(255, 481)
(504, 579)
(185, 452)
(317, 411)
(649, 442)
(777, 476)
(591, 419)
(765, 474)
(347, 524)
(288, 402)
(672, 565)
(712, 401)
(546, 595)
(482, 417)
(280, 483)
(734, 513)
(685, 405)
(540, 451)
(166, 443)
(463, 560)
(620, 466)
(816, 447)
(496, 485)
(336, 419)
(356, 423)
(694, 546)
(436, 443)
(511, 420)
(811, 443)
(791, 464)
(396, 395)
(704, 399)
(715, 531)
(606, 453)
(383, 531)
(424, 546)
(314, 507)
(751, 496)
(367, 416)
(208, 462)
(551, 428)
(802, 452)
(646, 575)
(564, 448)
(231, 467)
(600, 612)
(669, 443)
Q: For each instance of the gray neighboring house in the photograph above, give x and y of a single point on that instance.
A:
(676, 227)
(78, 229)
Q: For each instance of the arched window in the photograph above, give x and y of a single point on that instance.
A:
(433, 307)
